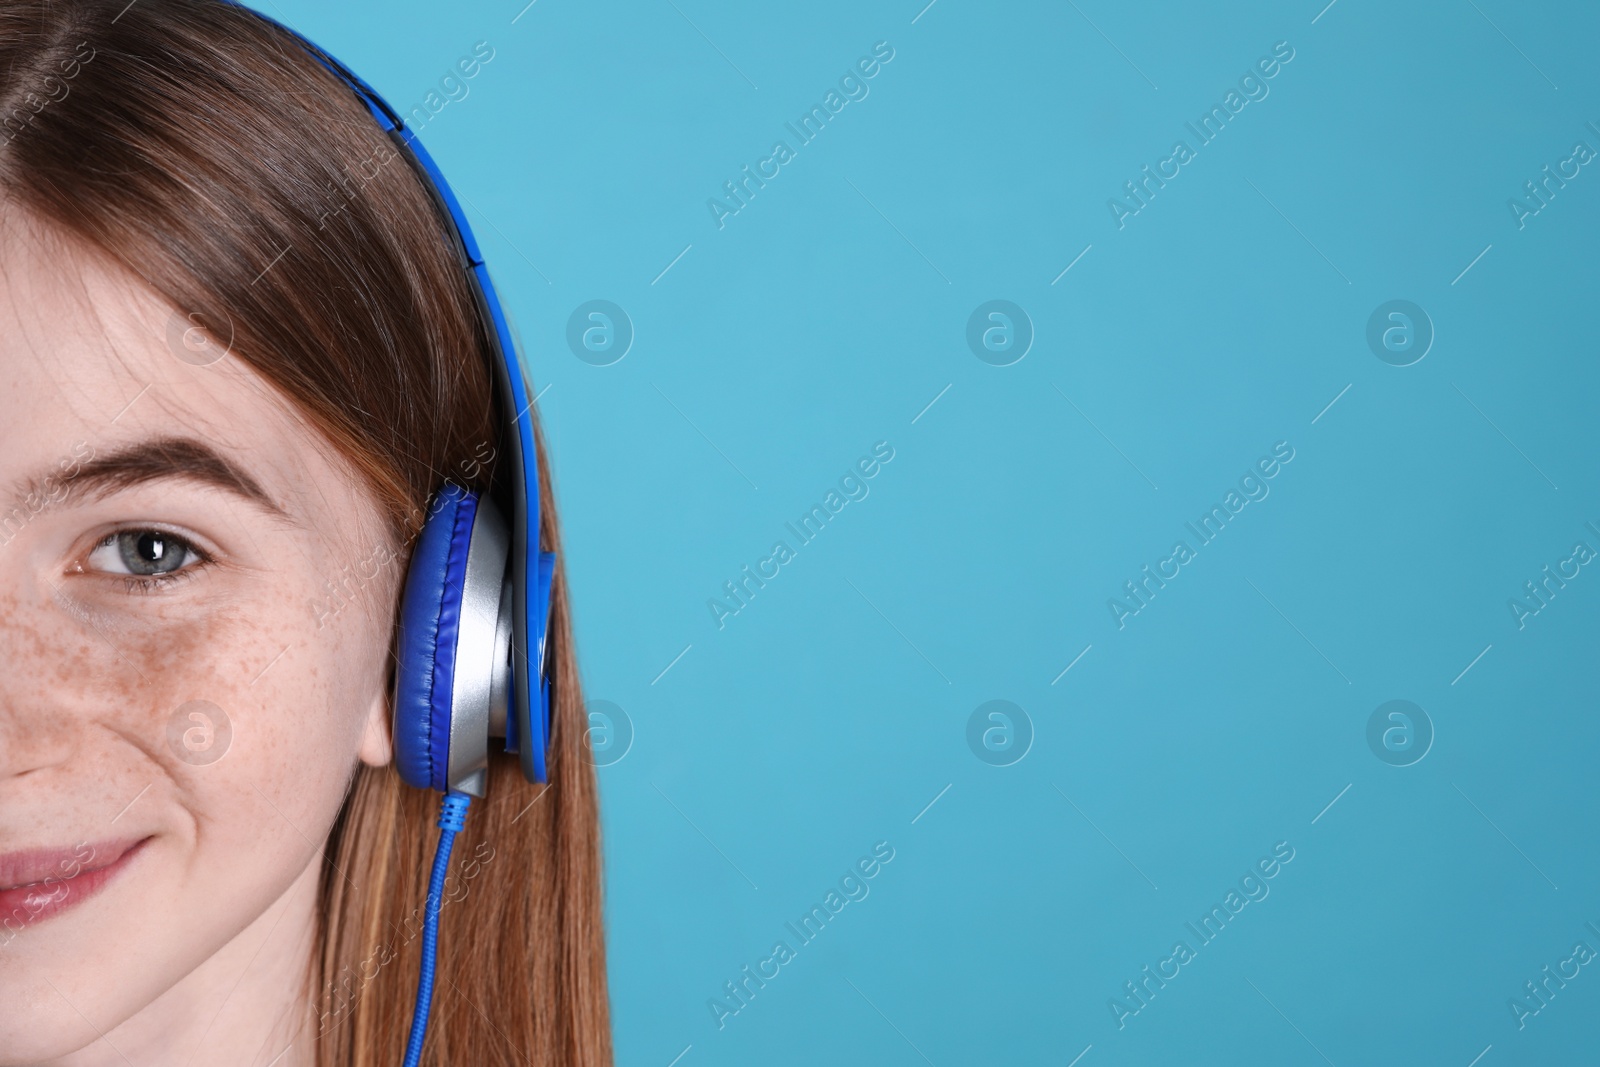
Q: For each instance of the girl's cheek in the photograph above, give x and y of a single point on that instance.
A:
(200, 682)
(233, 696)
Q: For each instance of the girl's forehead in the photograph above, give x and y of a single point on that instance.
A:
(91, 358)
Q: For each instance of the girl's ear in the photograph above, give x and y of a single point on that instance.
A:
(377, 741)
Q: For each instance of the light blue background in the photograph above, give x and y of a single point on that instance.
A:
(1224, 317)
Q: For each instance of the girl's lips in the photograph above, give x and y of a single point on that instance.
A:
(41, 884)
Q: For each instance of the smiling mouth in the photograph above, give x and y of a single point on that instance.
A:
(43, 883)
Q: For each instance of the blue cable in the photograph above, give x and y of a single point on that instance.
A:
(452, 815)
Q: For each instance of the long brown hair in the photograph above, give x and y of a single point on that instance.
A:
(205, 151)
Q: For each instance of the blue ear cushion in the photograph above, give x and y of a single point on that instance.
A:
(430, 620)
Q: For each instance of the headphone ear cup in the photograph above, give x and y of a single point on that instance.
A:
(429, 627)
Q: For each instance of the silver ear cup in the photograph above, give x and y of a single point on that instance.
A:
(482, 660)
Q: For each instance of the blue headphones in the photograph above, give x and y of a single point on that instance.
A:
(476, 608)
(475, 613)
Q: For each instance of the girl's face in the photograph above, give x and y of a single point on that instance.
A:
(195, 615)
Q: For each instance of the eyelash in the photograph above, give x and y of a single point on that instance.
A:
(152, 584)
(149, 585)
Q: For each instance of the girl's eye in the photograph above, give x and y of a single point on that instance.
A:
(144, 554)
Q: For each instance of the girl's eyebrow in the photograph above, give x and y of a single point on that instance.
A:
(147, 461)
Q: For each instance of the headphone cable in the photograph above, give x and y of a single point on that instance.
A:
(452, 815)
